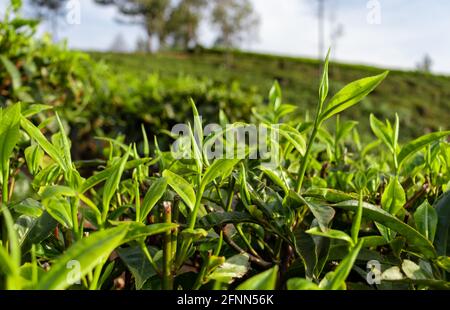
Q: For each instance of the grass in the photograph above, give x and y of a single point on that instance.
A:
(423, 100)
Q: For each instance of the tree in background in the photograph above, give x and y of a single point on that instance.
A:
(184, 21)
(425, 64)
(234, 19)
(119, 44)
(151, 14)
(50, 10)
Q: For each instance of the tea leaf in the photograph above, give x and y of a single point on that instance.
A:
(181, 187)
(393, 198)
(13, 72)
(37, 135)
(87, 253)
(414, 146)
(343, 270)
(220, 168)
(154, 194)
(331, 233)
(351, 95)
(426, 219)
(266, 280)
(112, 183)
(377, 214)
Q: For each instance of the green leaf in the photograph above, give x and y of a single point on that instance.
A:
(323, 213)
(7, 266)
(220, 168)
(34, 155)
(65, 143)
(234, 267)
(343, 270)
(345, 129)
(154, 194)
(59, 209)
(33, 230)
(275, 96)
(138, 264)
(442, 207)
(382, 132)
(104, 175)
(298, 284)
(198, 126)
(9, 133)
(377, 214)
(414, 146)
(181, 187)
(138, 231)
(393, 198)
(275, 177)
(88, 253)
(35, 109)
(266, 280)
(29, 207)
(306, 248)
(413, 271)
(444, 262)
(426, 219)
(351, 95)
(331, 233)
(330, 195)
(37, 135)
(112, 183)
(57, 191)
(12, 71)
(324, 83)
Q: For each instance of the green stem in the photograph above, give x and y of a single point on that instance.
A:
(357, 220)
(202, 273)
(219, 244)
(149, 258)
(193, 217)
(74, 208)
(96, 277)
(138, 202)
(246, 241)
(167, 281)
(305, 159)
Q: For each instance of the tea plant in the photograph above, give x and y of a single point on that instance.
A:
(142, 218)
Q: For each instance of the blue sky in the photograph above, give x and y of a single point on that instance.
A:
(408, 30)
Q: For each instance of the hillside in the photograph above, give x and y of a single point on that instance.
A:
(422, 100)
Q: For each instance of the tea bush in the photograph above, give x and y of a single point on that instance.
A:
(93, 99)
(335, 210)
(331, 207)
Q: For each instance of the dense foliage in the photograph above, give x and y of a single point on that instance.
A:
(138, 217)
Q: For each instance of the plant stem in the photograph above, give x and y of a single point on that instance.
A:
(96, 277)
(246, 241)
(167, 281)
(75, 201)
(357, 220)
(193, 217)
(5, 177)
(305, 159)
(137, 201)
(149, 258)
(202, 273)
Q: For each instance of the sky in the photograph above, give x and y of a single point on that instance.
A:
(389, 33)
